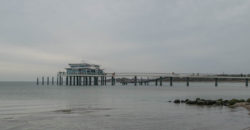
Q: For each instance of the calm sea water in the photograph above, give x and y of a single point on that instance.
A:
(25, 106)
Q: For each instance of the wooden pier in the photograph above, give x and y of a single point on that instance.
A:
(132, 78)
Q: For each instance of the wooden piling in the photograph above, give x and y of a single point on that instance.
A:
(52, 82)
(47, 80)
(187, 81)
(37, 81)
(86, 80)
(135, 79)
(171, 81)
(112, 80)
(160, 81)
(90, 80)
(105, 80)
(67, 80)
(80, 80)
(56, 80)
(61, 80)
(70, 80)
(216, 82)
(42, 80)
(246, 83)
(101, 81)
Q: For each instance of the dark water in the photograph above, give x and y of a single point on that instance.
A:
(25, 106)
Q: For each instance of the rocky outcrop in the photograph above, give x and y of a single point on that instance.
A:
(219, 102)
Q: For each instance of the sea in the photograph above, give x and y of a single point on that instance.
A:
(27, 106)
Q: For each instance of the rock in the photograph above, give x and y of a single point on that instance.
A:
(201, 102)
(210, 102)
(233, 101)
(190, 102)
(220, 100)
(219, 103)
(225, 103)
(197, 99)
(177, 101)
(248, 100)
(241, 100)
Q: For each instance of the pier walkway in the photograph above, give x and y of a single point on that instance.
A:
(135, 78)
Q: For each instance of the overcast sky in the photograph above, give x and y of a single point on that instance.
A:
(40, 37)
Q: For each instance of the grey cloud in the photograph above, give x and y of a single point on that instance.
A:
(161, 35)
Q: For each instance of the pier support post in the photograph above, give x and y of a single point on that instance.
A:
(246, 82)
(67, 80)
(80, 80)
(94, 80)
(37, 81)
(171, 81)
(160, 81)
(135, 80)
(56, 80)
(101, 80)
(112, 80)
(61, 80)
(156, 82)
(47, 80)
(216, 82)
(42, 80)
(105, 80)
(52, 80)
(74, 80)
(187, 81)
(70, 80)
(86, 80)
(77, 80)
(141, 81)
(90, 80)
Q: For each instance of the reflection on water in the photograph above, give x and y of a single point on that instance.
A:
(25, 106)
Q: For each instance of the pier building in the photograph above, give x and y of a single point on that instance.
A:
(82, 74)
(84, 68)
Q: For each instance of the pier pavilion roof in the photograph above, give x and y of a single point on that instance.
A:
(77, 66)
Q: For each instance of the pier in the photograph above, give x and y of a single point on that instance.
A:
(145, 79)
(84, 74)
